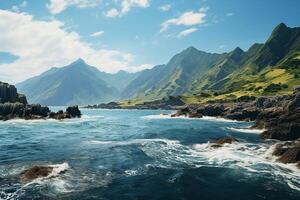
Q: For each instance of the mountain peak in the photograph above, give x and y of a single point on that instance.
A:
(237, 50)
(281, 29)
(281, 26)
(79, 61)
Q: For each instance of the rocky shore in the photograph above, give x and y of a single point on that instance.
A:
(168, 103)
(279, 116)
(15, 105)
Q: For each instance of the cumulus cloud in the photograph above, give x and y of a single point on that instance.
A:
(187, 32)
(97, 34)
(40, 45)
(165, 8)
(189, 18)
(126, 6)
(57, 6)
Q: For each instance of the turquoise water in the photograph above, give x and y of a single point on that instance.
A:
(129, 154)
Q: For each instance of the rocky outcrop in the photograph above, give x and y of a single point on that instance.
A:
(288, 152)
(35, 173)
(71, 112)
(8, 93)
(278, 115)
(14, 105)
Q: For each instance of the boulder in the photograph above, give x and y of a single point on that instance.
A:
(73, 111)
(288, 152)
(225, 140)
(9, 94)
(35, 172)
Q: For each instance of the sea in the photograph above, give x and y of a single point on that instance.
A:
(141, 155)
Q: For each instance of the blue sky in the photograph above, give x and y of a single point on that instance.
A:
(128, 34)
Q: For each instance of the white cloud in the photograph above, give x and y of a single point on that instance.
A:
(112, 13)
(166, 7)
(40, 45)
(189, 18)
(16, 8)
(97, 34)
(229, 14)
(126, 6)
(57, 6)
(187, 32)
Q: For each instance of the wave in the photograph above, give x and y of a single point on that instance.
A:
(206, 118)
(247, 130)
(254, 158)
(130, 142)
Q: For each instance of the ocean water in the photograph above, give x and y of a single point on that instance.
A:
(134, 154)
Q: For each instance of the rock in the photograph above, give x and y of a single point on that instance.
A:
(12, 110)
(244, 115)
(211, 110)
(8, 94)
(35, 172)
(73, 111)
(294, 104)
(226, 140)
(37, 109)
(297, 88)
(288, 152)
(195, 115)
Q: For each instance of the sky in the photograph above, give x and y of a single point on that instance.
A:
(131, 35)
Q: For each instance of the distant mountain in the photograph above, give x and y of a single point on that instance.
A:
(77, 83)
(264, 69)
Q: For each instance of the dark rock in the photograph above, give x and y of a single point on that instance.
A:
(8, 94)
(37, 109)
(294, 104)
(288, 152)
(35, 172)
(211, 110)
(244, 115)
(73, 111)
(226, 140)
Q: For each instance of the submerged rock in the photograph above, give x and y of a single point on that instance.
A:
(221, 141)
(35, 172)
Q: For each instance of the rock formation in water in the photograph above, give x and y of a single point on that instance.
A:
(14, 105)
(8, 93)
(35, 172)
(278, 115)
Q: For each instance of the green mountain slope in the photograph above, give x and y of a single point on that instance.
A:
(173, 78)
(264, 69)
(77, 83)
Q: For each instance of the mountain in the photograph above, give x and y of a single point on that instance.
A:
(77, 83)
(175, 77)
(264, 69)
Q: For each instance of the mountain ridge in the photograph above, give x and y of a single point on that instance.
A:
(273, 64)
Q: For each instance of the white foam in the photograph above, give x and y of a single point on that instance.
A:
(247, 130)
(218, 119)
(129, 142)
(131, 172)
(206, 118)
(254, 158)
